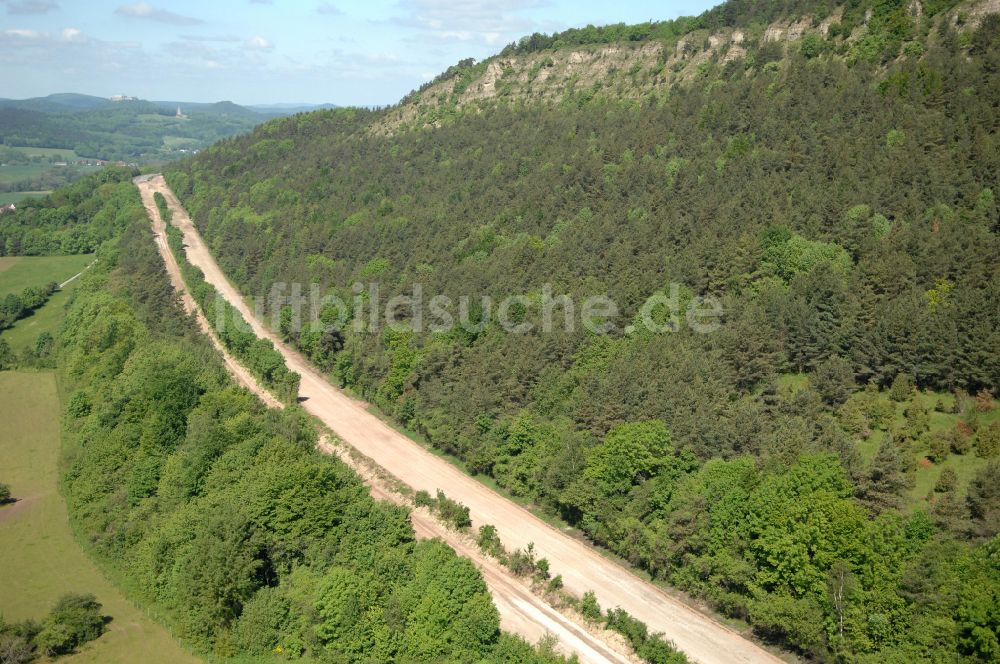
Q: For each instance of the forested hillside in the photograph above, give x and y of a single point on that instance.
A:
(128, 130)
(824, 465)
(221, 516)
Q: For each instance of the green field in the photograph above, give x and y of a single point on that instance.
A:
(18, 273)
(16, 196)
(47, 319)
(16, 172)
(65, 153)
(41, 559)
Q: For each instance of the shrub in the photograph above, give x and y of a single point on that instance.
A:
(74, 620)
(947, 481)
(522, 563)
(988, 441)
(589, 607)
(262, 623)
(453, 511)
(902, 387)
(939, 445)
(424, 499)
(542, 569)
(4, 494)
(15, 649)
(959, 441)
(489, 542)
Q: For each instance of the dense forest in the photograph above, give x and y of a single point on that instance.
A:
(75, 219)
(839, 202)
(221, 515)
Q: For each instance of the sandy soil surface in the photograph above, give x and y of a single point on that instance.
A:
(582, 568)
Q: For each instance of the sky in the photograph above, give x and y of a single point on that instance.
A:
(343, 52)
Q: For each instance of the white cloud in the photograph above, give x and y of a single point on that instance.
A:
(147, 11)
(24, 33)
(73, 35)
(258, 43)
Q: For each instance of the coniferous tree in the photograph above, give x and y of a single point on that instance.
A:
(882, 488)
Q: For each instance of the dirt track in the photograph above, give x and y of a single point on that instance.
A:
(701, 638)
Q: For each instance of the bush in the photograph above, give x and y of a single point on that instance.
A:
(8, 360)
(959, 441)
(489, 542)
(902, 388)
(589, 607)
(939, 445)
(15, 649)
(650, 647)
(522, 563)
(947, 481)
(812, 45)
(542, 571)
(424, 499)
(262, 623)
(75, 620)
(453, 511)
(988, 441)
(4, 494)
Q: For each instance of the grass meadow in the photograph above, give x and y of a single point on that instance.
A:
(18, 196)
(42, 560)
(18, 273)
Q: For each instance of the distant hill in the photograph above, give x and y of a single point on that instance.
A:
(65, 102)
(128, 129)
(289, 109)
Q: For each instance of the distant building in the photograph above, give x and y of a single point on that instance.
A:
(10, 207)
(123, 98)
(179, 114)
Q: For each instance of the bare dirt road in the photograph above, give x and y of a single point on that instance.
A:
(521, 611)
(582, 568)
(237, 370)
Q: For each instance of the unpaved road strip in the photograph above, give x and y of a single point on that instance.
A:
(582, 568)
(237, 370)
(521, 611)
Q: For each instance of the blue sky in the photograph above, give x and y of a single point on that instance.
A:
(267, 51)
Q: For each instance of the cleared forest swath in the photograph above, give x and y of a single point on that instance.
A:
(521, 611)
(700, 637)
